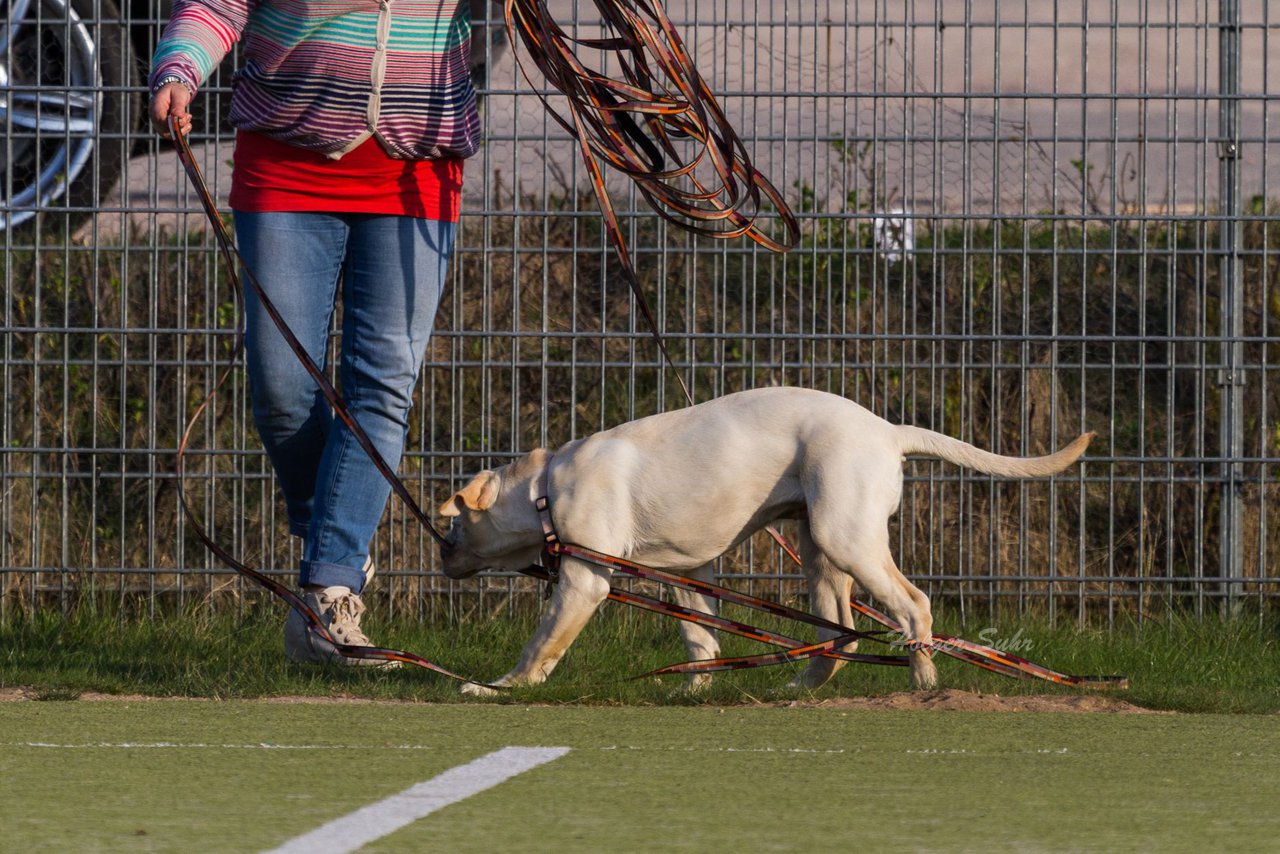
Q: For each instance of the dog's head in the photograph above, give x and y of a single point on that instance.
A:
(493, 523)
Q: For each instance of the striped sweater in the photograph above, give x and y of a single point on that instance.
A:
(326, 75)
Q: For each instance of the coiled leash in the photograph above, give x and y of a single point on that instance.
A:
(657, 122)
(659, 83)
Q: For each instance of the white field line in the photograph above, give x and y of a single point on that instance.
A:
(377, 820)
(199, 745)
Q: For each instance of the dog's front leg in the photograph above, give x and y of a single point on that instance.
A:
(699, 641)
(581, 589)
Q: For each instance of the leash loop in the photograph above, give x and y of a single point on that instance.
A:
(715, 191)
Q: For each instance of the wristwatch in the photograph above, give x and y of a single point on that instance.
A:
(171, 78)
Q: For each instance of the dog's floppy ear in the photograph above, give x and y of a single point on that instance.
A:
(479, 494)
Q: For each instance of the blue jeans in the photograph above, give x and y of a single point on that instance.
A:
(392, 272)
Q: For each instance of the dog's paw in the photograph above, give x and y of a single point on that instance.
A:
(797, 683)
(473, 689)
(697, 683)
(924, 676)
(808, 682)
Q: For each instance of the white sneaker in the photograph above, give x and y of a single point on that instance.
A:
(340, 611)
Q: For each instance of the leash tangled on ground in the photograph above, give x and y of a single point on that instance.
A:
(724, 206)
(980, 655)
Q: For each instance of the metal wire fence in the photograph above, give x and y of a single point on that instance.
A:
(1021, 221)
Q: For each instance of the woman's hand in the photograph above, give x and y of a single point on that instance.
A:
(171, 99)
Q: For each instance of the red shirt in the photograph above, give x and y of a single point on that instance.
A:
(274, 176)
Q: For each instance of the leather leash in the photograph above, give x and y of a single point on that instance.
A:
(794, 650)
(657, 122)
(682, 108)
(978, 654)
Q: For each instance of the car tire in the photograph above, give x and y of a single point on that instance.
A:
(71, 79)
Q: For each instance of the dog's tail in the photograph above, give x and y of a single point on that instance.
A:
(916, 440)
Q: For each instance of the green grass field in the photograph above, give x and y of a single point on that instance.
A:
(745, 765)
(248, 775)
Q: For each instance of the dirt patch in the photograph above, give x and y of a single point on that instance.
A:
(952, 700)
(8, 695)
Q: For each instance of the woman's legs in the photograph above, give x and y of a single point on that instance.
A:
(392, 271)
(392, 281)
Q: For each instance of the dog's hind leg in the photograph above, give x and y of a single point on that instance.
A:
(924, 675)
(829, 593)
(864, 554)
(699, 641)
(581, 589)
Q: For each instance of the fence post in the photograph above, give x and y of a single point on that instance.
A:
(1231, 245)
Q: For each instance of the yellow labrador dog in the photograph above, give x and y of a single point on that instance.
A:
(675, 491)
